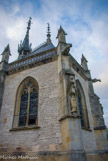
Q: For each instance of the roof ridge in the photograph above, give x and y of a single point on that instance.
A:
(36, 48)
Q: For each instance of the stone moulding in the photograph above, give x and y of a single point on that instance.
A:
(87, 129)
(60, 152)
(73, 116)
(69, 116)
(68, 72)
(100, 128)
(24, 128)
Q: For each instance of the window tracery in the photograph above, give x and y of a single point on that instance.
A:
(26, 108)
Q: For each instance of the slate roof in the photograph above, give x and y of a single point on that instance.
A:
(43, 47)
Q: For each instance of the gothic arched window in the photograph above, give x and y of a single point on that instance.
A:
(82, 105)
(26, 106)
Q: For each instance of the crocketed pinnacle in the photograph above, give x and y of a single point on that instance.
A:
(24, 48)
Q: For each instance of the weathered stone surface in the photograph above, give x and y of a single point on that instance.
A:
(35, 148)
(52, 147)
(48, 111)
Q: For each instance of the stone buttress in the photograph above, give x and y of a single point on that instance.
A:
(69, 117)
(96, 109)
(3, 70)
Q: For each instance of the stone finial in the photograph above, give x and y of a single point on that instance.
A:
(84, 63)
(5, 54)
(48, 34)
(24, 47)
(61, 35)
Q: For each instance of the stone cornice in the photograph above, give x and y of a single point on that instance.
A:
(34, 60)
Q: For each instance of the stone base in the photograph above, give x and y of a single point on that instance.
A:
(97, 156)
(55, 156)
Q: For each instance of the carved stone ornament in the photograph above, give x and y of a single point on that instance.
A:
(66, 49)
(67, 79)
(71, 94)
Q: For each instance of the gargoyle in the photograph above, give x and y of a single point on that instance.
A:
(66, 49)
(96, 80)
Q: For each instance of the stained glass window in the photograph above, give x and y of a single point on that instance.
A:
(81, 109)
(32, 108)
(23, 109)
(28, 105)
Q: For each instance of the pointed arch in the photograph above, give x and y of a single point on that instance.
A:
(82, 107)
(26, 103)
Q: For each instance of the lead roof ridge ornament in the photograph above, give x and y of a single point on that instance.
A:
(28, 27)
(48, 34)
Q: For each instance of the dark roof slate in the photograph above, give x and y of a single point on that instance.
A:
(42, 48)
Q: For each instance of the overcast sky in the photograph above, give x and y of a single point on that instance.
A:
(84, 21)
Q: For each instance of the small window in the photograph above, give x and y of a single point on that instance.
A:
(26, 108)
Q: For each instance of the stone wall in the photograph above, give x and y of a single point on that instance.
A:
(48, 136)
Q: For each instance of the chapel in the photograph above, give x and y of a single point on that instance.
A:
(48, 106)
